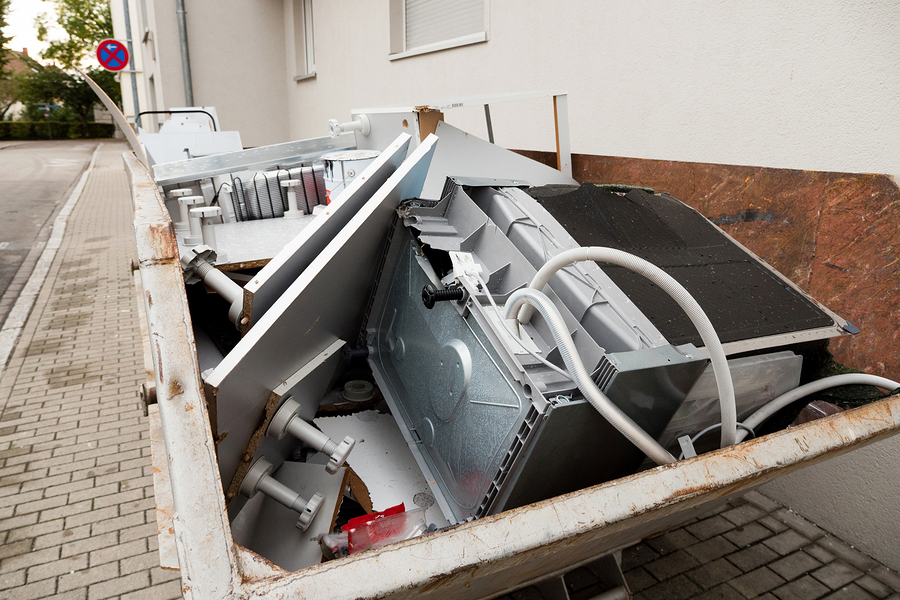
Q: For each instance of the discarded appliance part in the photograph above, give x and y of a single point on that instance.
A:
(198, 263)
(358, 390)
(343, 166)
(462, 155)
(760, 416)
(674, 290)
(580, 376)
(292, 212)
(286, 154)
(430, 295)
(608, 315)
(274, 278)
(267, 527)
(817, 409)
(259, 479)
(360, 124)
(207, 230)
(494, 429)
(287, 420)
(182, 224)
(751, 306)
(757, 380)
(184, 205)
(244, 379)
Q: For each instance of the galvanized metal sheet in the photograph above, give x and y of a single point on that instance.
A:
(325, 303)
(262, 291)
(284, 155)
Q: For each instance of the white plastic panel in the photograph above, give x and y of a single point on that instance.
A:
(461, 154)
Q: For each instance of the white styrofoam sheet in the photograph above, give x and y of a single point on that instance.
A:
(384, 462)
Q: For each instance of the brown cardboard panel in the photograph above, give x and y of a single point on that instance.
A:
(833, 234)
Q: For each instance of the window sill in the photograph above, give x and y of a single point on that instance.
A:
(465, 40)
(305, 77)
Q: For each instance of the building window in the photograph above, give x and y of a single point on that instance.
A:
(420, 26)
(304, 42)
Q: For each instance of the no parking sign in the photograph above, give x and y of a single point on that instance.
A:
(113, 55)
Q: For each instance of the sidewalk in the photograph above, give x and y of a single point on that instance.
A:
(76, 493)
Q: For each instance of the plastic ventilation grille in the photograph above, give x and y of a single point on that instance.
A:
(605, 374)
(522, 435)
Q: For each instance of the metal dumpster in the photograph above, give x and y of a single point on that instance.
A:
(478, 559)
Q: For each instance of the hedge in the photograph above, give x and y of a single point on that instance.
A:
(52, 130)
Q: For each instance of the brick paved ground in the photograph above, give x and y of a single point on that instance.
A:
(753, 547)
(76, 492)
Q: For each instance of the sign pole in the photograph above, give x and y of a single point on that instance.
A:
(133, 73)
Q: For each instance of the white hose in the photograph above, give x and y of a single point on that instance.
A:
(757, 418)
(582, 378)
(680, 295)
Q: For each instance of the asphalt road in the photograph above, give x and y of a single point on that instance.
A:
(35, 181)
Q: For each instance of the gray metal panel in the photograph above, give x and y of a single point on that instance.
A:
(265, 288)
(287, 154)
(267, 527)
(461, 154)
(325, 303)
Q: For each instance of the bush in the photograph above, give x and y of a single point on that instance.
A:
(20, 130)
(52, 130)
(102, 130)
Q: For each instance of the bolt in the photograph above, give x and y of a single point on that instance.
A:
(430, 295)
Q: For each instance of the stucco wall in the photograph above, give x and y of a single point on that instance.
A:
(797, 85)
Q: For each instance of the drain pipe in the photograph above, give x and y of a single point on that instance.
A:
(185, 56)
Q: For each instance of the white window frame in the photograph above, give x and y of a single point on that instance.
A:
(304, 39)
(399, 47)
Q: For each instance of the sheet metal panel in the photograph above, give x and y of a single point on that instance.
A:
(287, 154)
(265, 288)
(325, 303)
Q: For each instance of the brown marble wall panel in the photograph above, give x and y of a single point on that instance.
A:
(836, 235)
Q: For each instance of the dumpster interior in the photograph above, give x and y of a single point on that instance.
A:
(395, 340)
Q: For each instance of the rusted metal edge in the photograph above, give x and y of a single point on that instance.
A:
(540, 538)
(203, 537)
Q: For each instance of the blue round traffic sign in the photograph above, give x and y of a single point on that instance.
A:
(113, 55)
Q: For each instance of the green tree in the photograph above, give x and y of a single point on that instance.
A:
(52, 85)
(85, 23)
(4, 41)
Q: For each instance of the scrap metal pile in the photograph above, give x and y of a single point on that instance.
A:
(459, 332)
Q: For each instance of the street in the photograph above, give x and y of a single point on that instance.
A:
(35, 180)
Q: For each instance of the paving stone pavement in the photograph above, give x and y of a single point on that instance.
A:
(77, 516)
(76, 493)
(752, 547)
